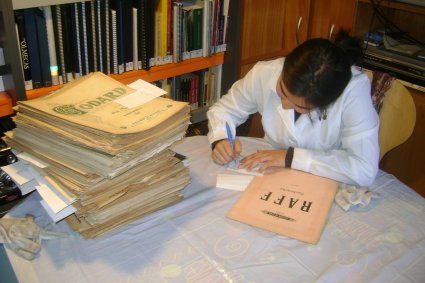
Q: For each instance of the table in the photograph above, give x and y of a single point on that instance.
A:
(193, 241)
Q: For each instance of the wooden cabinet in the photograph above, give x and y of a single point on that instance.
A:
(328, 16)
(270, 29)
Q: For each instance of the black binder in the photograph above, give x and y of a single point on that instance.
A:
(31, 34)
(43, 47)
(23, 46)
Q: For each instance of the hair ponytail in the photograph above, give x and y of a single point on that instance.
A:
(350, 45)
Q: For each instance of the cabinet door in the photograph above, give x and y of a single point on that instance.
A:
(328, 16)
(270, 28)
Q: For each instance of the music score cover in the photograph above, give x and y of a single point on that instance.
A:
(288, 202)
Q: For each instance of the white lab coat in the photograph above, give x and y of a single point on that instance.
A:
(344, 147)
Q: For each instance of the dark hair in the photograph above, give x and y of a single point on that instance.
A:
(319, 70)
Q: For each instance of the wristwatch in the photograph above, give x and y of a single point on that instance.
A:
(289, 156)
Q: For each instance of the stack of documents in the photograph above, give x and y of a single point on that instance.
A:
(102, 147)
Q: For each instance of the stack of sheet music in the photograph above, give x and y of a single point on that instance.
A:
(104, 147)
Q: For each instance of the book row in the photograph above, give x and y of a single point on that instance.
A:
(199, 88)
(59, 43)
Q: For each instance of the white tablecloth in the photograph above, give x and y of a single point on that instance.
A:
(193, 241)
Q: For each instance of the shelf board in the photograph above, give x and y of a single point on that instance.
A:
(171, 70)
(154, 74)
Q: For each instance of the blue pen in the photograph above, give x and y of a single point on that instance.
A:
(229, 136)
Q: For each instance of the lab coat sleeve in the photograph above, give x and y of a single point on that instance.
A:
(235, 107)
(356, 160)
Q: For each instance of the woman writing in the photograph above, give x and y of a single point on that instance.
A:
(316, 110)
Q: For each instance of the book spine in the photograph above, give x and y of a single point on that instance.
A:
(176, 47)
(68, 41)
(201, 88)
(196, 93)
(107, 55)
(169, 28)
(31, 34)
(197, 29)
(151, 31)
(144, 39)
(120, 38)
(206, 29)
(43, 47)
(54, 72)
(83, 38)
(56, 23)
(127, 34)
(60, 44)
(99, 36)
(215, 24)
(93, 34)
(140, 23)
(135, 40)
(23, 48)
(77, 41)
(163, 27)
(114, 42)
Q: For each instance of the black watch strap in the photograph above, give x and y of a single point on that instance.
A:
(289, 156)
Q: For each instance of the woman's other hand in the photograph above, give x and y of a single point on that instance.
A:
(265, 160)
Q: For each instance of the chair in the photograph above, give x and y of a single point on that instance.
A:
(396, 108)
(393, 102)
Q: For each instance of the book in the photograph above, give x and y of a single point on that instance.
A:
(52, 45)
(114, 42)
(59, 42)
(117, 8)
(93, 28)
(43, 47)
(102, 41)
(150, 35)
(84, 39)
(126, 30)
(32, 42)
(177, 32)
(135, 40)
(288, 202)
(23, 48)
(78, 68)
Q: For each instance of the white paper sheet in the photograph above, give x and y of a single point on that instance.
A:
(21, 174)
(32, 160)
(55, 201)
(233, 181)
(145, 92)
(61, 214)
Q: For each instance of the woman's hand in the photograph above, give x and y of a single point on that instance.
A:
(223, 154)
(265, 159)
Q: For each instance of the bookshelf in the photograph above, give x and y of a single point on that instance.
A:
(9, 42)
